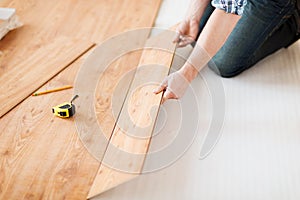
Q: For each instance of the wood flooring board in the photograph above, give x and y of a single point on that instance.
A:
(102, 83)
(41, 155)
(45, 150)
(88, 20)
(94, 20)
(28, 75)
(128, 146)
(107, 86)
(110, 93)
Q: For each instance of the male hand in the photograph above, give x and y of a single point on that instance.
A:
(187, 32)
(174, 86)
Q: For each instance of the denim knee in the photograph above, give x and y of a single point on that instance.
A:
(265, 9)
(225, 68)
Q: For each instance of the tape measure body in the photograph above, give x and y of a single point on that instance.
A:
(64, 110)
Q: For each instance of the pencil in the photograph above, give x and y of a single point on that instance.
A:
(52, 90)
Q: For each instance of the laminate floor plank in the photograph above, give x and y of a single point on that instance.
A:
(28, 75)
(41, 155)
(86, 20)
(126, 152)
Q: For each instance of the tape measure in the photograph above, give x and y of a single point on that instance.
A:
(65, 110)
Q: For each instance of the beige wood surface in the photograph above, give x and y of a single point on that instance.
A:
(87, 20)
(34, 71)
(128, 146)
(111, 66)
(91, 20)
(106, 88)
(43, 157)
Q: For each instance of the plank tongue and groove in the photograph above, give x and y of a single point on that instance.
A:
(28, 75)
(125, 155)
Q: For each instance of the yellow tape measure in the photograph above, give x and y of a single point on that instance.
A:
(65, 110)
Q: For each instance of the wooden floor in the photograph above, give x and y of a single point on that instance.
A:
(256, 157)
(18, 83)
(42, 156)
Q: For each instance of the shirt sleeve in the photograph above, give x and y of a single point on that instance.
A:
(230, 6)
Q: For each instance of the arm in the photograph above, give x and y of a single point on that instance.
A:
(213, 36)
(189, 27)
(196, 9)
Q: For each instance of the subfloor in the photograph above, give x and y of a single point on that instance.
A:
(257, 155)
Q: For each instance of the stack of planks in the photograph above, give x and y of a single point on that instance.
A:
(8, 21)
(42, 156)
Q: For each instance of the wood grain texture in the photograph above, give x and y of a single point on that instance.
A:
(28, 75)
(43, 157)
(86, 20)
(110, 66)
(129, 143)
(107, 86)
(91, 20)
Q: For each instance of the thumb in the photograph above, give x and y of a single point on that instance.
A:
(176, 39)
(162, 87)
(159, 89)
(168, 95)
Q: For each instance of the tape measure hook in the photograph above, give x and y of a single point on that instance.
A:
(75, 97)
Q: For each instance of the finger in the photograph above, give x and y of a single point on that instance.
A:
(181, 29)
(176, 39)
(162, 86)
(168, 95)
(159, 89)
(183, 43)
(185, 40)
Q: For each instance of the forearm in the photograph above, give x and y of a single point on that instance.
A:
(211, 39)
(196, 9)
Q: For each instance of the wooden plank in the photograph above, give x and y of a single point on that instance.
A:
(107, 86)
(91, 20)
(74, 19)
(5, 16)
(51, 159)
(111, 67)
(104, 108)
(41, 155)
(47, 154)
(46, 150)
(128, 146)
(28, 75)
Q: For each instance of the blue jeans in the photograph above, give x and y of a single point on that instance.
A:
(265, 27)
